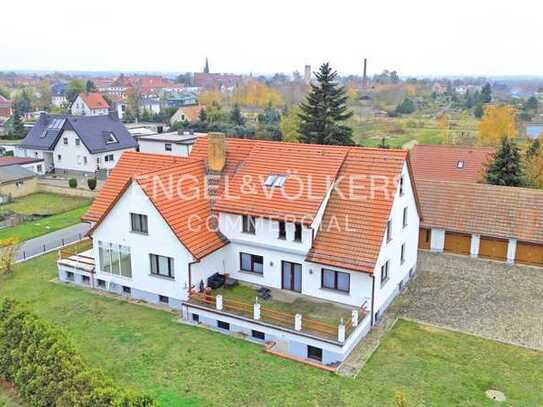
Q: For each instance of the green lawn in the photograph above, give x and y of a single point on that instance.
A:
(44, 204)
(8, 398)
(181, 365)
(30, 230)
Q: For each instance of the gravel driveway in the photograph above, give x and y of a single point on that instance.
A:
(482, 297)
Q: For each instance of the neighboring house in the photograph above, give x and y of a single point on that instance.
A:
(16, 181)
(174, 143)
(90, 104)
(85, 144)
(462, 215)
(58, 97)
(33, 164)
(119, 105)
(5, 108)
(349, 239)
(187, 113)
(151, 105)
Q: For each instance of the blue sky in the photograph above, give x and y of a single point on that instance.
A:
(413, 37)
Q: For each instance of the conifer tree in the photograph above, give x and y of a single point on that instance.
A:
(324, 111)
(505, 167)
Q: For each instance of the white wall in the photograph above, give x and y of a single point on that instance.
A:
(47, 156)
(158, 147)
(161, 241)
(38, 168)
(391, 250)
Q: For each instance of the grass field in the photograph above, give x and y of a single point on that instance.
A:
(8, 398)
(181, 365)
(44, 204)
(30, 230)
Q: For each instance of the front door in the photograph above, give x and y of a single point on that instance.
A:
(291, 276)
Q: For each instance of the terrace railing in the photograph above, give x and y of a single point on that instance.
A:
(76, 249)
(279, 318)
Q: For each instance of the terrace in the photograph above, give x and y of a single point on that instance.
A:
(287, 310)
(78, 256)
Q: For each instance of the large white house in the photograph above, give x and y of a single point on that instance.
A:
(89, 104)
(84, 144)
(324, 224)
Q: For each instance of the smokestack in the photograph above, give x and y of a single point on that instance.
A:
(365, 77)
(307, 74)
(216, 154)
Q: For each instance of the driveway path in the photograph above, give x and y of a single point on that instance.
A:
(51, 241)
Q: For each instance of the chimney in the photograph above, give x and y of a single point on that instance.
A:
(365, 77)
(216, 154)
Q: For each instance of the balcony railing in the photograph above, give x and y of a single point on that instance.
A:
(271, 316)
(78, 255)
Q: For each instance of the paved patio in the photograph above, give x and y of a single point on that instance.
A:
(476, 296)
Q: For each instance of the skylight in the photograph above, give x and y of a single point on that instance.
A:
(275, 180)
(110, 139)
(460, 164)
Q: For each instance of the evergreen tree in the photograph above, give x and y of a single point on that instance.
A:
(324, 110)
(479, 111)
(90, 87)
(505, 167)
(17, 126)
(534, 149)
(202, 115)
(407, 106)
(236, 117)
(486, 93)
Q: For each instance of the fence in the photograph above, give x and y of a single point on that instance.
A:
(29, 249)
(279, 318)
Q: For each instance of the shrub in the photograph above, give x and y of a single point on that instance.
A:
(46, 369)
(72, 182)
(91, 182)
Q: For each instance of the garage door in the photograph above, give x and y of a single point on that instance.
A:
(529, 253)
(457, 243)
(424, 238)
(492, 248)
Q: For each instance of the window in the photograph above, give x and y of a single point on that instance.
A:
(168, 147)
(251, 262)
(39, 168)
(297, 232)
(85, 160)
(97, 160)
(161, 266)
(258, 335)
(389, 231)
(314, 353)
(115, 259)
(402, 254)
(163, 299)
(275, 180)
(65, 140)
(282, 230)
(248, 224)
(127, 290)
(460, 164)
(77, 142)
(138, 223)
(69, 276)
(404, 219)
(101, 283)
(223, 325)
(85, 280)
(195, 318)
(335, 280)
(401, 185)
(384, 273)
(109, 157)
(59, 157)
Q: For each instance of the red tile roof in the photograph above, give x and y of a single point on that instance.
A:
(94, 100)
(489, 210)
(189, 214)
(310, 170)
(8, 161)
(130, 164)
(352, 229)
(440, 162)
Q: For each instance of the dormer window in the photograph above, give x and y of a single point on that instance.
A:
(460, 164)
(275, 180)
(110, 138)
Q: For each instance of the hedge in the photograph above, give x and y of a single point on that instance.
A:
(91, 183)
(46, 369)
(72, 182)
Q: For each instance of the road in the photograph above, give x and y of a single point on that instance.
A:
(53, 240)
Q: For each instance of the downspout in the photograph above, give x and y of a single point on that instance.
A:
(372, 298)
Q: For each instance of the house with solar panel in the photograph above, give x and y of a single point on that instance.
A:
(77, 144)
(297, 247)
